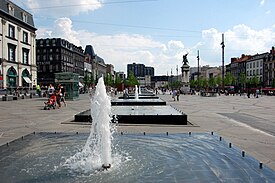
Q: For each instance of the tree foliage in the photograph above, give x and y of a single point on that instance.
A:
(132, 80)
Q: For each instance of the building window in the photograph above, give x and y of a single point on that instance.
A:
(11, 52)
(11, 31)
(25, 17)
(25, 37)
(11, 10)
(25, 53)
(47, 42)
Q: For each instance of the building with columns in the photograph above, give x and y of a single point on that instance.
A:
(17, 47)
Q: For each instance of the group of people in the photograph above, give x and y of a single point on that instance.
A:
(176, 94)
(57, 94)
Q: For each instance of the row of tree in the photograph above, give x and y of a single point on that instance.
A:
(229, 79)
(89, 80)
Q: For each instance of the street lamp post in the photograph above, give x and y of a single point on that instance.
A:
(198, 58)
(222, 43)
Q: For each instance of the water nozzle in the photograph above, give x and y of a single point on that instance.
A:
(105, 167)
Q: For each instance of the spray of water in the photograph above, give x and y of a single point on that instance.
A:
(98, 148)
(136, 92)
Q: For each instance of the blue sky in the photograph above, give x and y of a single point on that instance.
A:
(158, 32)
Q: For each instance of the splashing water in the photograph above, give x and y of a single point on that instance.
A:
(98, 148)
(136, 92)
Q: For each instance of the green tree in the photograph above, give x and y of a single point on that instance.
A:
(204, 83)
(255, 81)
(132, 80)
(212, 82)
(118, 80)
(219, 81)
(108, 80)
(229, 79)
(243, 79)
(193, 84)
(86, 79)
(176, 84)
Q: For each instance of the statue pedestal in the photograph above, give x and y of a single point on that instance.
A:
(185, 89)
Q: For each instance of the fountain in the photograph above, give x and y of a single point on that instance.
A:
(136, 92)
(97, 150)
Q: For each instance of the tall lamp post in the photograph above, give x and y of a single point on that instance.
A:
(198, 58)
(222, 43)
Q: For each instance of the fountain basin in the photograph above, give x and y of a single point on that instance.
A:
(141, 115)
(138, 158)
(139, 102)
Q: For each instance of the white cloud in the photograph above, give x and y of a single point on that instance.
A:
(57, 8)
(268, 12)
(241, 39)
(122, 49)
(262, 2)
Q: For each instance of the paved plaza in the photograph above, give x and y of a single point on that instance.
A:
(247, 123)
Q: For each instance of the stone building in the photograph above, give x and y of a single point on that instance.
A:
(269, 69)
(55, 55)
(17, 47)
(254, 66)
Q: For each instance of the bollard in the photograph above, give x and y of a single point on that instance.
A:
(76, 132)
(166, 133)
(143, 133)
(243, 153)
(189, 133)
(121, 133)
(220, 138)
(212, 133)
(261, 165)
(230, 145)
(33, 132)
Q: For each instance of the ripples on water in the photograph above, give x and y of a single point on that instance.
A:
(136, 158)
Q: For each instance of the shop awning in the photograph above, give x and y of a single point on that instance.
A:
(27, 79)
(80, 84)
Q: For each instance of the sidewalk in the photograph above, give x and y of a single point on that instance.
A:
(228, 116)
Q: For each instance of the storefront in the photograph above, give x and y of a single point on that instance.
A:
(11, 78)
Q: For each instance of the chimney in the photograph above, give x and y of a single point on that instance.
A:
(272, 51)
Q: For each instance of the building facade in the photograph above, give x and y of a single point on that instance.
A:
(55, 55)
(17, 47)
(269, 69)
(254, 66)
(137, 69)
(238, 67)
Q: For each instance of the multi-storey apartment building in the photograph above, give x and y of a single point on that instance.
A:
(254, 66)
(55, 55)
(269, 69)
(17, 47)
(140, 70)
(98, 65)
